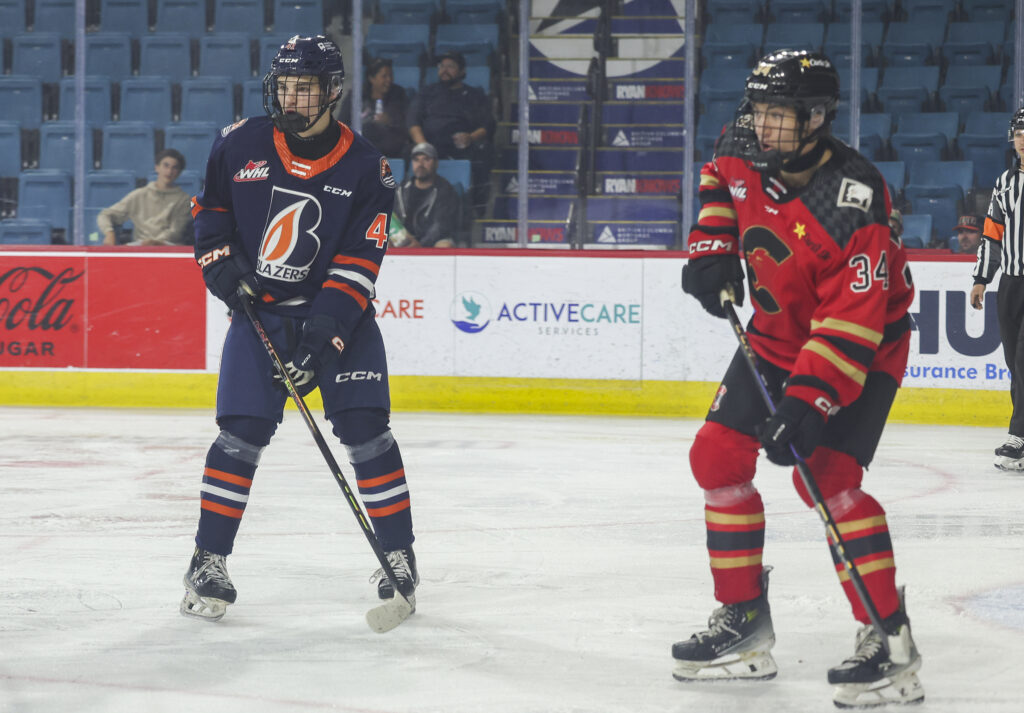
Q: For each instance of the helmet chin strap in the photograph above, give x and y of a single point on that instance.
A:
(772, 162)
(296, 123)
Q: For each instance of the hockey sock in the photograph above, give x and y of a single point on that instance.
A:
(380, 476)
(230, 465)
(735, 524)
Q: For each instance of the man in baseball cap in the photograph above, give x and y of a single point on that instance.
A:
(968, 233)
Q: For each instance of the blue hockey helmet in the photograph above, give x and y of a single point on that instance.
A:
(300, 56)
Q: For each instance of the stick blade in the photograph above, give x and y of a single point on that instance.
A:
(391, 613)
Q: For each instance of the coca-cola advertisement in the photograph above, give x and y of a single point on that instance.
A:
(75, 307)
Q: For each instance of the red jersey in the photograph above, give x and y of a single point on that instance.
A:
(829, 284)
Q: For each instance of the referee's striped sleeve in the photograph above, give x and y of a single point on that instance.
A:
(1002, 246)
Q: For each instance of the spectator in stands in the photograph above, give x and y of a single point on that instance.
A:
(457, 119)
(426, 205)
(896, 223)
(159, 211)
(384, 109)
(968, 235)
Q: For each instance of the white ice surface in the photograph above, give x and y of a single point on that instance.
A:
(560, 558)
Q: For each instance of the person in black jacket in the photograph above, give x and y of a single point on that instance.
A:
(384, 108)
(426, 205)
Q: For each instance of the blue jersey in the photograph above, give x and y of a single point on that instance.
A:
(315, 230)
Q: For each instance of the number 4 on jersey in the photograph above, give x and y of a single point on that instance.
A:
(378, 230)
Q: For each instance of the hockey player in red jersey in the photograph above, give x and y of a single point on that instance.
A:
(295, 209)
(830, 289)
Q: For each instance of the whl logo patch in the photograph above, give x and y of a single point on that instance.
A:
(253, 171)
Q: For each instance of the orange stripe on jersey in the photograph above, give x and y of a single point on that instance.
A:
(389, 510)
(288, 159)
(228, 477)
(197, 208)
(993, 229)
(348, 290)
(358, 262)
(221, 509)
(380, 480)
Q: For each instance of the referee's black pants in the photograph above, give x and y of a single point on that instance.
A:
(1010, 310)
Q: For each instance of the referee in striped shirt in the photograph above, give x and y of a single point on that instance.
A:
(1003, 247)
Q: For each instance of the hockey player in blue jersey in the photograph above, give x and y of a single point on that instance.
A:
(295, 209)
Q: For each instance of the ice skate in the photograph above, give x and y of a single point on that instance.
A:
(403, 562)
(1010, 455)
(872, 678)
(737, 644)
(208, 588)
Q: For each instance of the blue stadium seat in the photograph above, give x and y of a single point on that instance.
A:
(404, 44)
(730, 11)
(731, 45)
(942, 203)
(108, 54)
(479, 77)
(837, 42)
(165, 54)
(37, 54)
(942, 173)
(245, 16)
(252, 98)
(917, 230)
(102, 190)
(895, 175)
(397, 164)
(225, 54)
(919, 146)
(973, 43)
(983, 142)
(57, 146)
(131, 16)
(871, 10)
(57, 16)
(868, 84)
(875, 130)
(912, 44)
(187, 16)
(146, 99)
(21, 100)
(208, 99)
(409, 78)
(987, 10)
(908, 89)
(928, 11)
(797, 11)
(722, 88)
(129, 145)
(970, 88)
(45, 194)
(25, 231)
(188, 180)
(798, 36)
(408, 11)
(474, 11)
(10, 149)
(476, 42)
(456, 172)
(12, 17)
(97, 100)
(193, 140)
(298, 17)
(946, 123)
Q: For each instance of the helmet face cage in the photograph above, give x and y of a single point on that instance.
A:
(303, 57)
(806, 81)
(1016, 124)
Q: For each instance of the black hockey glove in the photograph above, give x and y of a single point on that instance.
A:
(706, 277)
(320, 343)
(224, 270)
(794, 422)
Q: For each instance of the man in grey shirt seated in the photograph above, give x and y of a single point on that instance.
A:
(159, 210)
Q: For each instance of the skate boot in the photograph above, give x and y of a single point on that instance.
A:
(208, 588)
(872, 678)
(403, 562)
(737, 644)
(1010, 455)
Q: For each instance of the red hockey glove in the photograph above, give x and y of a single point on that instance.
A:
(224, 270)
(794, 422)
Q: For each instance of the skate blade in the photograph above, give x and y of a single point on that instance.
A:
(747, 666)
(1009, 465)
(904, 689)
(207, 609)
(391, 613)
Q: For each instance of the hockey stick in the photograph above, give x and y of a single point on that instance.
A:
(397, 609)
(805, 474)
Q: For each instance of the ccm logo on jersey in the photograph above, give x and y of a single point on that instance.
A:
(854, 194)
(337, 191)
(214, 255)
(358, 376)
(253, 171)
(712, 246)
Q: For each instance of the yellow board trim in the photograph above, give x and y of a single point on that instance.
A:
(668, 399)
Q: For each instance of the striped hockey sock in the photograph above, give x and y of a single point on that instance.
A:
(734, 517)
(380, 477)
(227, 478)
